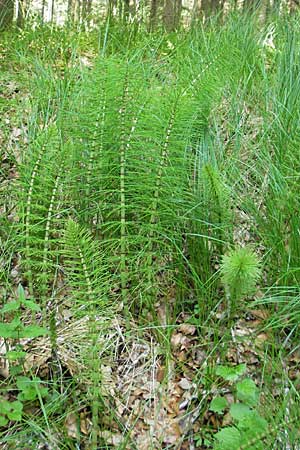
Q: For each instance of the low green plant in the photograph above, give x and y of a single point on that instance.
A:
(30, 388)
(240, 271)
(15, 329)
(12, 332)
(10, 411)
(245, 418)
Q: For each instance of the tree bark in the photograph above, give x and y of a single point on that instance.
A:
(52, 10)
(196, 11)
(6, 13)
(206, 8)
(153, 14)
(172, 14)
(22, 7)
(71, 11)
(125, 10)
(177, 13)
(89, 9)
(83, 10)
(168, 16)
(43, 10)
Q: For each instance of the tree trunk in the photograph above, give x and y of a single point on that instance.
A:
(71, 11)
(214, 6)
(177, 13)
(83, 10)
(206, 8)
(43, 10)
(153, 15)
(125, 10)
(86, 12)
(168, 16)
(196, 11)
(6, 13)
(89, 9)
(52, 10)
(22, 6)
(172, 14)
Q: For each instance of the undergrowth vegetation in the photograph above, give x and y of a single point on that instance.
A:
(150, 194)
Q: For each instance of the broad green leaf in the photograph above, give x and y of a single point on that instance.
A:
(228, 438)
(31, 305)
(16, 370)
(239, 410)
(218, 404)
(253, 441)
(23, 382)
(21, 294)
(11, 306)
(5, 406)
(28, 394)
(10, 330)
(3, 421)
(15, 415)
(247, 392)
(16, 323)
(30, 388)
(32, 331)
(6, 330)
(253, 422)
(43, 391)
(231, 373)
(17, 406)
(14, 355)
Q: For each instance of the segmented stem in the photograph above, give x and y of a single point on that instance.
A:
(27, 218)
(197, 78)
(153, 217)
(99, 124)
(163, 159)
(265, 434)
(219, 194)
(49, 218)
(123, 147)
(95, 369)
(46, 242)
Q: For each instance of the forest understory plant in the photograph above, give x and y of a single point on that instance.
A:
(240, 271)
(126, 201)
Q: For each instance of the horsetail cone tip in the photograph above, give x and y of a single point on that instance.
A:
(240, 270)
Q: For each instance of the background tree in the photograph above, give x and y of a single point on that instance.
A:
(86, 11)
(6, 13)
(172, 14)
(21, 12)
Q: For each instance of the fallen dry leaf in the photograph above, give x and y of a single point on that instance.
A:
(179, 341)
(187, 328)
(261, 339)
(85, 424)
(71, 425)
(185, 384)
(4, 365)
(172, 433)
